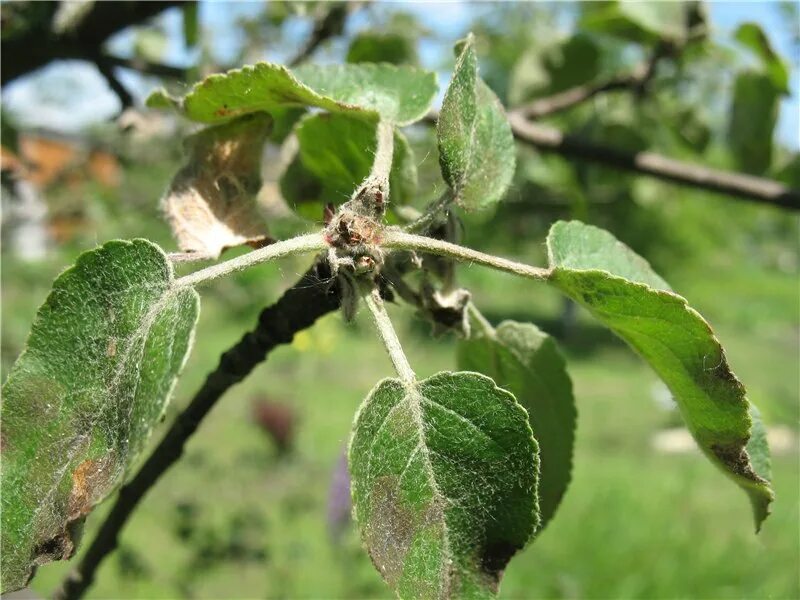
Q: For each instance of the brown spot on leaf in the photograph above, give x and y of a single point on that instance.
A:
(90, 481)
(735, 457)
(393, 526)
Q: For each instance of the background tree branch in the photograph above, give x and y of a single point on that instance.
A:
(312, 297)
(749, 187)
(329, 25)
(636, 80)
(35, 44)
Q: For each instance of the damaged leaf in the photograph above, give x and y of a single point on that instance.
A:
(80, 402)
(476, 146)
(444, 474)
(211, 202)
(400, 94)
(621, 290)
(527, 362)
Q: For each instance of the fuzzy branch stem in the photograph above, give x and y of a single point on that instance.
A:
(311, 242)
(312, 297)
(393, 238)
(384, 150)
(388, 335)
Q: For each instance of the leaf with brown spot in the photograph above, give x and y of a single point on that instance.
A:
(210, 204)
(621, 290)
(444, 478)
(75, 415)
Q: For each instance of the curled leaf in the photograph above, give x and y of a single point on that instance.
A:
(399, 94)
(621, 290)
(210, 204)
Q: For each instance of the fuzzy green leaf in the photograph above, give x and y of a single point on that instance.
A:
(527, 362)
(337, 152)
(401, 95)
(81, 401)
(622, 291)
(476, 146)
(444, 474)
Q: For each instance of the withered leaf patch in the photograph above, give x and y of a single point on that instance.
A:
(210, 204)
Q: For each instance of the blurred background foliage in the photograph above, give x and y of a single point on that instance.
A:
(251, 510)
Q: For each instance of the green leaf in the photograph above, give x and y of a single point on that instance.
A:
(476, 146)
(444, 474)
(752, 122)
(620, 289)
(81, 401)
(337, 152)
(753, 37)
(370, 46)
(661, 19)
(401, 95)
(561, 66)
(526, 362)
(636, 21)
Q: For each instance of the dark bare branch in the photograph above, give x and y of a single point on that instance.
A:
(759, 189)
(38, 45)
(107, 71)
(329, 25)
(147, 67)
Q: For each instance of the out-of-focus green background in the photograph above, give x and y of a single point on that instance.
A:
(646, 516)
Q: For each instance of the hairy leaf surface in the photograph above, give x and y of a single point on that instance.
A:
(622, 291)
(80, 402)
(401, 95)
(444, 474)
(337, 152)
(526, 361)
(476, 146)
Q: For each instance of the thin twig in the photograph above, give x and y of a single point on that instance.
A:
(400, 240)
(312, 297)
(107, 71)
(736, 184)
(388, 335)
(330, 25)
(147, 67)
(312, 242)
(635, 80)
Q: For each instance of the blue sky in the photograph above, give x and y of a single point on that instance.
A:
(70, 95)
